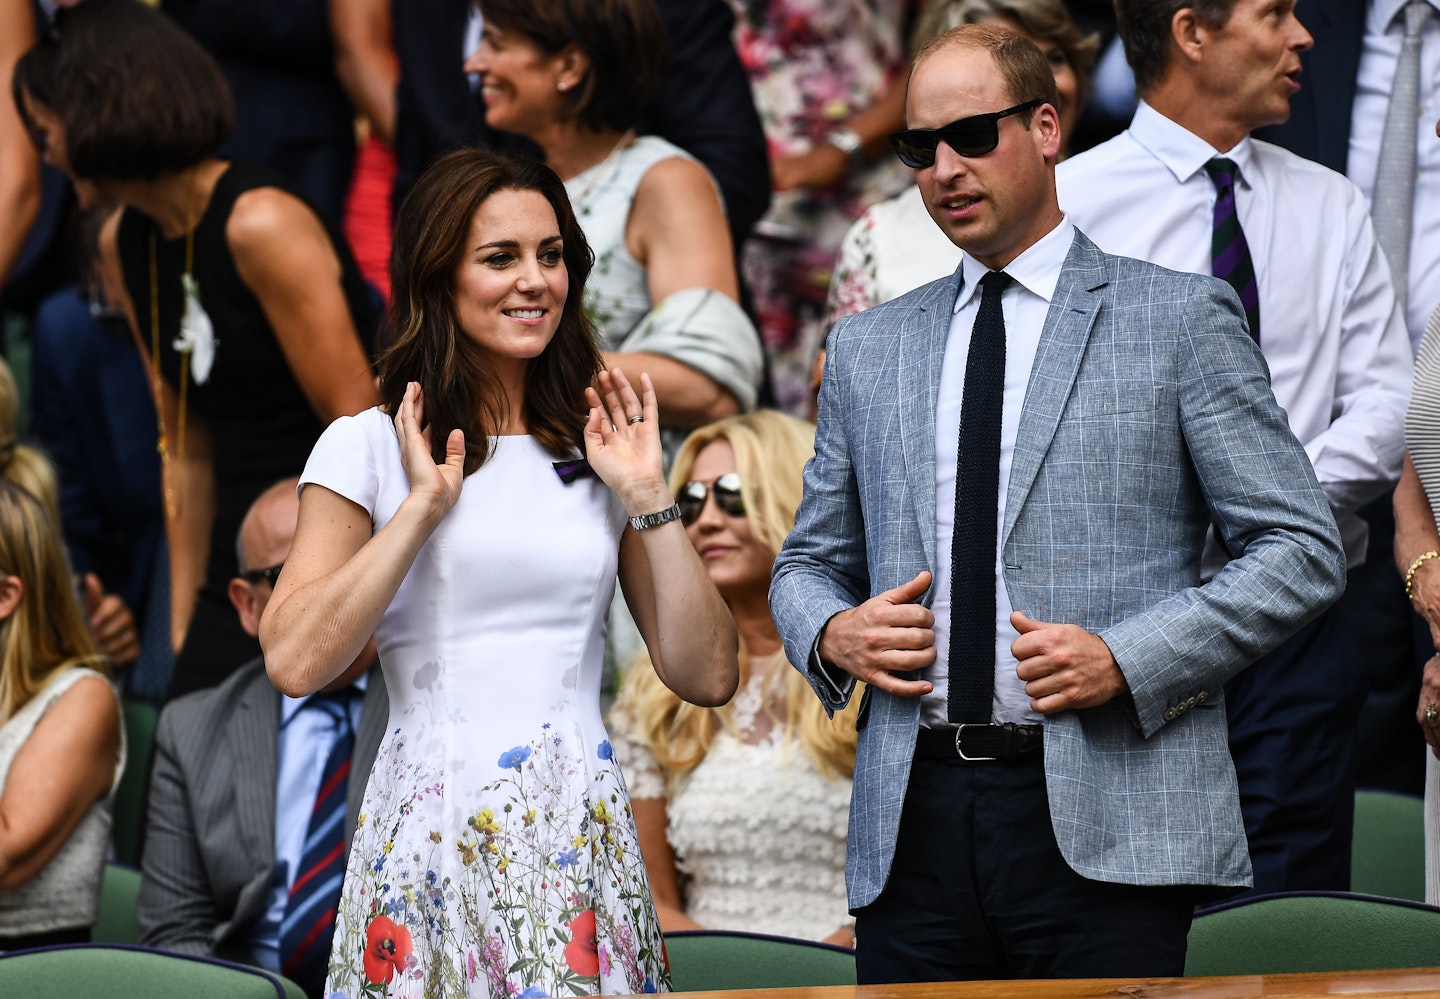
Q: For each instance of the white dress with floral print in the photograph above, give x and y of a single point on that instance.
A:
(495, 853)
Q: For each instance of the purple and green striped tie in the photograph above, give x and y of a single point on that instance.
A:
(1229, 253)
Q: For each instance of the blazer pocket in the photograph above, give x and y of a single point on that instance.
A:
(1092, 401)
(862, 717)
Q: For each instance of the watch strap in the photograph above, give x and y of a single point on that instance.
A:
(648, 520)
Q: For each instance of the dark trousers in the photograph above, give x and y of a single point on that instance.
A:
(978, 890)
(1395, 642)
(1294, 717)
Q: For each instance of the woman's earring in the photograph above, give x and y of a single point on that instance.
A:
(562, 86)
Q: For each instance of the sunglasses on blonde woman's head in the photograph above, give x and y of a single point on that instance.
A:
(973, 136)
(726, 491)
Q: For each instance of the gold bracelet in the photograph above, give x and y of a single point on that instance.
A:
(1414, 567)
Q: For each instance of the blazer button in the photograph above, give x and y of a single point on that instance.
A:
(1190, 703)
(1200, 697)
(1170, 714)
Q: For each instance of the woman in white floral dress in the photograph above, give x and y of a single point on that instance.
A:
(496, 852)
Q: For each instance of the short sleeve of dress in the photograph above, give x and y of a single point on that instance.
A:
(643, 777)
(343, 459)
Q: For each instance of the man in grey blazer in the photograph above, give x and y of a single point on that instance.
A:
(1069, 828)
(225, 758)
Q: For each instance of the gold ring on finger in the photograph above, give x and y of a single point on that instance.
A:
(1431, 712)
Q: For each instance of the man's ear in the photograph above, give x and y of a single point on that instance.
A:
(12, 591)
(242, 596)
(1188, 34)
(1047, 124)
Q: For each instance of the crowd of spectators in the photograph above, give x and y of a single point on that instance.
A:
(198, 202)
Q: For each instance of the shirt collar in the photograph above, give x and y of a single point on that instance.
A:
(1037, 269)
(1387, 14)
(1181, 151)
(290, 706)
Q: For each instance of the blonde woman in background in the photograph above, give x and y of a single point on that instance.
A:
(112, 625)
(20, 463)
(742, 809)
(61, 742)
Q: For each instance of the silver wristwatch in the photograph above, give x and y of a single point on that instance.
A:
(846, 140)
(648, 520)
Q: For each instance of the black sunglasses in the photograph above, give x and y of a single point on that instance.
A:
(973, 136)
(727, 497)
(269, 574)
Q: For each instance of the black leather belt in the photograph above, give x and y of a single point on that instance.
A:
(977, 743)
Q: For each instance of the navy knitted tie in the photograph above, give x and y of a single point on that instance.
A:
(308, 926)
(977, 500)
(1229, 253)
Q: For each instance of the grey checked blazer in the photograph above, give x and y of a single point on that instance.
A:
(210, 828)
(1148, 413)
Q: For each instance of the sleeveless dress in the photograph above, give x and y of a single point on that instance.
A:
(261, 425)
(495, 853)
(617, 296)
(758, 830)
(66, 893)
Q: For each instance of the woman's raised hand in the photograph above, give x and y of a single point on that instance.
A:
(622, 441)
(436, 484)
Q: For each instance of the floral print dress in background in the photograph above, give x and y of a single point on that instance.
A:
(813, 64)
(495, 853)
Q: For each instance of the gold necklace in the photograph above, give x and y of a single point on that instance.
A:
(172, 498)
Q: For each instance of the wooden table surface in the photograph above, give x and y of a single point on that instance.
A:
(1408, 983)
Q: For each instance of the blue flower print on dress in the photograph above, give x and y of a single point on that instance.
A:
(513, 759)
(534, 992)
(603, 750)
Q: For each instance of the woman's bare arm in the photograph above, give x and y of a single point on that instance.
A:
(64, 767)
(284, 255)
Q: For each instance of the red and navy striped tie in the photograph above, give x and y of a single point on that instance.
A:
(1229, 253)
(308, 926)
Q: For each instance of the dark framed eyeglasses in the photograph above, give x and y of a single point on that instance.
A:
(726, 491)
(269, 574)
(973, 136)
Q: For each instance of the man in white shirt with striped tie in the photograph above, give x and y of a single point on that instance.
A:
(1187, 187)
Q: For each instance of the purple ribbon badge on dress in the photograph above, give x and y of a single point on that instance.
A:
(574, 468)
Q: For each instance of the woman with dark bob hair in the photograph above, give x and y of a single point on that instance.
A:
(257, 324)
(577, 77)
(496, 854)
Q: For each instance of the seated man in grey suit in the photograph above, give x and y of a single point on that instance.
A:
(1042, 784)
(237, 777)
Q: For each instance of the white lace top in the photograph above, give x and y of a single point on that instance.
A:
(758, 831)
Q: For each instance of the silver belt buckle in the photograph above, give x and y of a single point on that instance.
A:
(961, 752)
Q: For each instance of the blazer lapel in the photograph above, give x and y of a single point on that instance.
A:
(254, 734)
(1062, 345)
(922, 352)
(374, 718)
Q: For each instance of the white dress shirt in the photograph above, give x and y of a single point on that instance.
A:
(1384, 30)
(1330, 329)
(305, 741)
(1025, 304)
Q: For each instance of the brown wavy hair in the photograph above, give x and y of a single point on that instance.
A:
(427, 343)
